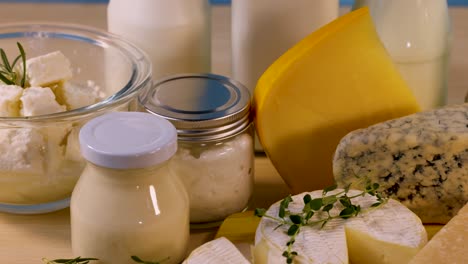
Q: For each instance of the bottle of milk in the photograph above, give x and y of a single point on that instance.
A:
(175, 34)
(262, 30)
(417, 36)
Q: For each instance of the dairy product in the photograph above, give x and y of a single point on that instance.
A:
(9, 100)
(449, 244)
(417, 37)
(39, 101)
(319, 91)
(419, 159)
(37, 157)
(181, 30)
(126, 204)
(46, 69)
(218, 178)
(388, 234)
(216, 251)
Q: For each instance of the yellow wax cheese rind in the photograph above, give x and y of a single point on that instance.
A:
(449, 245)
(336, 80)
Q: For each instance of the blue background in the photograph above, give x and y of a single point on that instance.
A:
(345, 2)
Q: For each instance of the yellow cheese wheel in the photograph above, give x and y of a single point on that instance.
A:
(338, 79)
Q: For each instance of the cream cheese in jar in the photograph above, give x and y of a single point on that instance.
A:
(215, 158)
(127, 202)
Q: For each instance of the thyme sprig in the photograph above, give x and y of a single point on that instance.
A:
(8, 75)
(320, 206)
(80, 260)
(77, 260)
(138, 260)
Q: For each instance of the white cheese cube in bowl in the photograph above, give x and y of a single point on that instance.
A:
(65, 85)
(47, 69)
(9, 100)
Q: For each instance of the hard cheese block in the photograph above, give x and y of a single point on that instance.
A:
(421, 159)
(336, 80)
(390, 234)
(449, 245)
(217, 251)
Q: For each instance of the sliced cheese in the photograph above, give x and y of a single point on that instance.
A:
(338, 79)
(391, 234)
(449, 245)
(217, 251)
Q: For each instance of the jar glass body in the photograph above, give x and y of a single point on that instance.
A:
(417, 36)
(175, 34)
(119, 213)
(218, 175)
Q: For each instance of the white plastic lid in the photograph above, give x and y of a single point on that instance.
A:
(128, 140)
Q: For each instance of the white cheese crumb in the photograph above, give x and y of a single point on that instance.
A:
(46, 69)
(10, 100)
(39, 101)
(21, 150)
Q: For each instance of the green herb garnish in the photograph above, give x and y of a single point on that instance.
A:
(322, 205)
(138, 260)
(77, 260)
(7, 69)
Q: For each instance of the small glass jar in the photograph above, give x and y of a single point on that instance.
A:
(127, 202)
(215, 158)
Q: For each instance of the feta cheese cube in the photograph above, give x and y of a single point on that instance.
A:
(46, 69)
(21, 150)
(76, 96)
(10, 100)
(39, 101)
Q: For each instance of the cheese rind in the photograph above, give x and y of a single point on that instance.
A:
(338, 79)
(449, 245)
(220, 250)
(389, 234)
(421, 160)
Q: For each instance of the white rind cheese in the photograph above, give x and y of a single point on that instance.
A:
(421, 160)
(217, 251)
(47, 69)
(390, 234)
(9, 100)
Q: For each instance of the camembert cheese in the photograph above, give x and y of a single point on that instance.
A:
(390, 234)
(217, 251)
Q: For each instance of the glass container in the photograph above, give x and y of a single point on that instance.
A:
(215, 158)
(417, 36)
(127, 202)
(52, 164)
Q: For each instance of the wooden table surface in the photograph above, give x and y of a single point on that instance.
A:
(26, 239)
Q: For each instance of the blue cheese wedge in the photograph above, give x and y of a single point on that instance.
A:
(217, 251)
(389, 234)
(420, 159)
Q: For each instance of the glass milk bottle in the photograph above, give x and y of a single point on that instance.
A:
(127, 202)
(417, 35)
(175, 34)
(262, 30)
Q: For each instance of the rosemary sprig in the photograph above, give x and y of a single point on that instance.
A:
(77, 260)
(322, 205)
(7, 69)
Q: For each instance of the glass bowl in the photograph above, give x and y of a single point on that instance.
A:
(40, 160)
